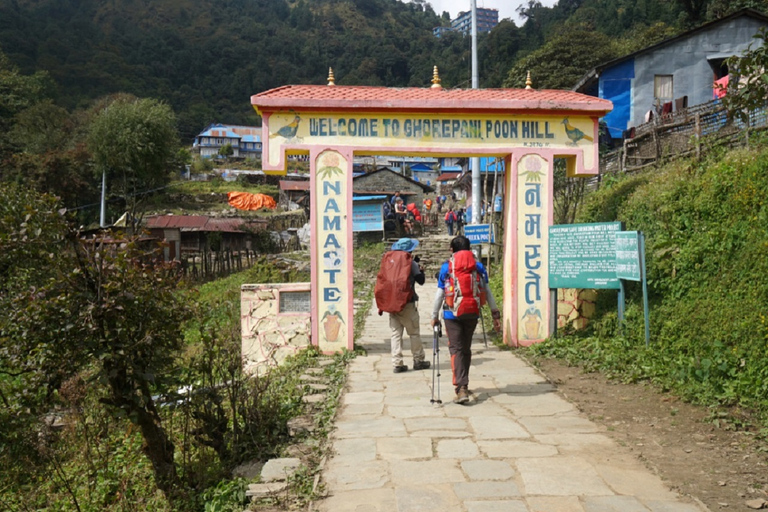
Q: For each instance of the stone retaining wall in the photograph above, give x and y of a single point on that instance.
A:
(575, 307)
(269, 334)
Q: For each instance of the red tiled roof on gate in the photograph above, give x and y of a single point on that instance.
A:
(323, 97)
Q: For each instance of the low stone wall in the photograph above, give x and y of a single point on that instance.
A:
(575, 307)
(275, 323)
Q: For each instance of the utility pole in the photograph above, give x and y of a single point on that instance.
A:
(475, 161)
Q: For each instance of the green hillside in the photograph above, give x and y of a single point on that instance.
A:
(207, 58)
(706, 227)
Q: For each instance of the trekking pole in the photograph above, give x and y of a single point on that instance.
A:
(482, 322)
(436, 363)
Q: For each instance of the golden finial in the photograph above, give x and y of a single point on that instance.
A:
(331, 78)
(528, 82)
(436, 79)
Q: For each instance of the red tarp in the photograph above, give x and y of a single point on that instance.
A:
(248, 201)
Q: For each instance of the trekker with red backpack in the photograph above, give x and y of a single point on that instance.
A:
(395, 294)
(462, 288)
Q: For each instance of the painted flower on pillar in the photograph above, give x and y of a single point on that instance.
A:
(532, 170)
(330, 166)
(332, 322)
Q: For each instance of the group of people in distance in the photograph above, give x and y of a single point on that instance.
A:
(407, 214)
(459, 329)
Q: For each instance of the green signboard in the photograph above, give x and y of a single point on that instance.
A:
(583, 255)
(628, 264)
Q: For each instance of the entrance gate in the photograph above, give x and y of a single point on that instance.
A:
(525, 127)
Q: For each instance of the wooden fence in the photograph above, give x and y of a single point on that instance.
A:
(687, 132)
(207, 265)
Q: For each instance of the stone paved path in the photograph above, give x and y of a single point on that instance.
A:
(518, 447)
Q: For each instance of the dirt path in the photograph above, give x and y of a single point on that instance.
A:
(723, 467)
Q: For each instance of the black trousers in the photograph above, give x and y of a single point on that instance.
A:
(460, 332)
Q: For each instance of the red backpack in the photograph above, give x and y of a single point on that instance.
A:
(464, 293)
(393, 287)
(414, 211)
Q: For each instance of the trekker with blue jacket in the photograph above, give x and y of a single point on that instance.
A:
(461, 330)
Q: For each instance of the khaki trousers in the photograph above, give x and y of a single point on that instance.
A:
(407, 319)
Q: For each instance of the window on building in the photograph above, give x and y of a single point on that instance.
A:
(662, 88)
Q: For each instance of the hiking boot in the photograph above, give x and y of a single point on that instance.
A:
(462, 396)
(421, 365)
(400, 368)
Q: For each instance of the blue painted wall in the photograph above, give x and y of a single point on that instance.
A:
(616, 85)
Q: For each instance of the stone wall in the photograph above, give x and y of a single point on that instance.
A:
(270, 335)
(575, 307)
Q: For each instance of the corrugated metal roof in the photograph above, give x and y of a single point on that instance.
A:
(202, 223)
(248, 133)
(219, 132)
(177, 221)
(294, 185)
(346, 98)
(448, 176)
(369, 198)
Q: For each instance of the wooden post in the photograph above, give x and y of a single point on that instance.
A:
(623, 165)
(553, 312)
(697, 134)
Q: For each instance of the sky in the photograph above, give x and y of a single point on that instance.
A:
(507, 8)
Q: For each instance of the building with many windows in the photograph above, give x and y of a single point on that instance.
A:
(439, 31)
(245, 140)
(486, 20)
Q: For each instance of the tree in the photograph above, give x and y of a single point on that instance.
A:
(568, 194)
(497, 53)
(694, 9)
(68, 305)
(134, 143)
(748, 88)
(17, 93)
(226, 150)
(563, 60)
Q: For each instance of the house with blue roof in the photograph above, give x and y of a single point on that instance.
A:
(675, 74)
(424, 173)
(245, 140)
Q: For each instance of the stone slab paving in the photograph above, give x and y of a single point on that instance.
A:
(519, 446)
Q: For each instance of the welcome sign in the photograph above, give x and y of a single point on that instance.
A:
(426, 131)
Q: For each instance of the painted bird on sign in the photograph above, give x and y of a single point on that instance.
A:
(288, 131)
(574, 133)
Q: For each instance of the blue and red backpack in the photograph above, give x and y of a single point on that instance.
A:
(464, 291)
